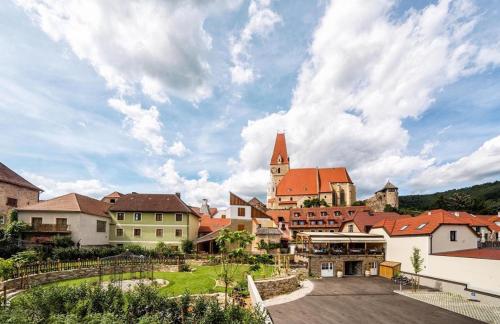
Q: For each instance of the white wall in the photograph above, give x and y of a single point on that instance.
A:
(399, 249)
(83, 227)
(466, 239)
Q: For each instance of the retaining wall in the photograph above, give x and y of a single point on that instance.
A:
(48, 277)
(277, 286)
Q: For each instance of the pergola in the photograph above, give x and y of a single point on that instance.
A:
(339, 243)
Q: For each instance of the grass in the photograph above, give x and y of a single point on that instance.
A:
(200, 281)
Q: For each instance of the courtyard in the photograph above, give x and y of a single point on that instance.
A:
(359, 300)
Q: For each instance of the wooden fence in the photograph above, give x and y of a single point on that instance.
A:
(52, 266)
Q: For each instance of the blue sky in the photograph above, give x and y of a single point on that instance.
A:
(146, 96)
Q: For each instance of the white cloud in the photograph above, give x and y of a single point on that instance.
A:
(54, 188)
(144, 124)
(482, 164)
(366, 73)
(159, 47)
(261, 20)
(178, 149)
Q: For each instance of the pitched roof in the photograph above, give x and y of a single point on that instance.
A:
(72, 202)
(114, 194)
(9, 176)
(255, 202)
(388, 185)
(311, 181)
(268, 231)
(276, 213)
(485, 253)
(365, 219)
(280, 150)
(166, 203)
(212, 211)
(234, 200)
(208, 224)
(427, 222)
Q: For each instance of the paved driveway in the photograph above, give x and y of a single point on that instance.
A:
(360, 300)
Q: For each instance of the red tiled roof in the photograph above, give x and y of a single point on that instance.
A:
(366, 219)
(135, 202)
(72, 202)
(280, 150)
(276, 213)
(114, 194)
(432, 220)
(486, 253)
(9, 176)
(209, 225)
(212, 211)
(311, 181)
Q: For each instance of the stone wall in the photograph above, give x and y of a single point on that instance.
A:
(277, 286)
(23, 195)
(48, 277)
(339, 262)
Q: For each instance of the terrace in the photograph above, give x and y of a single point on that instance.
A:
(335, 243)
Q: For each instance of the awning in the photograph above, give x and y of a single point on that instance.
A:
(347, 240)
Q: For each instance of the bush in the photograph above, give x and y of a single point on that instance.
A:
(187, 246)
(184, 268)
(25, 257)
(6, 268)
(63, 241)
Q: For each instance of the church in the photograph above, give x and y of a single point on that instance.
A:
(289, 188)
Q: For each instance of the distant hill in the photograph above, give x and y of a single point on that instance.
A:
(478, 199)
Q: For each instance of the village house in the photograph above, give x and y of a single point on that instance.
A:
(147, 219)
(448, 242)
(15, 192)
(84, 219)
(289, 188)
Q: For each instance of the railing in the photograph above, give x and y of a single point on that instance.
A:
(489, 244)
(52, 266)
(341, 252)
(50, 228)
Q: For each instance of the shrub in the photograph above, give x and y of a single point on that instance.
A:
(187, 246)
(184, 268)
(25, 257)
(63, 241)
(6, 268)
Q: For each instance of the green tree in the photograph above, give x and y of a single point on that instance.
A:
(13, 217)
(232, 246)
(358, 203)
(187, 246)
(417, 263)
(389, 208)
(315, 202)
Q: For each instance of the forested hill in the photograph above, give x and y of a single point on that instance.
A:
(479, 199)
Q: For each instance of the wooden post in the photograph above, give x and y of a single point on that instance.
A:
(4, 295)
(38, 267)
(366, 251)
(58, 265)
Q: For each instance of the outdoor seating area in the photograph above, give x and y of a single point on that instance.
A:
(336, 243)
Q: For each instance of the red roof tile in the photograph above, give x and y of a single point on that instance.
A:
(209, 225)
(71, 203)
(280, 150)
(311, 181)
(9, 176)
(492, 254)
(364, 220)
(136, 202)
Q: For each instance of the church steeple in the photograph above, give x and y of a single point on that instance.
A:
(280, 154)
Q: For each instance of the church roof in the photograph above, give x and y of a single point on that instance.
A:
(311, 181)
(280, 150)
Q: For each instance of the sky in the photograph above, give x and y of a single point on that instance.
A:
(187, 96)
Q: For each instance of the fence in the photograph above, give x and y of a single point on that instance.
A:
(52, 266)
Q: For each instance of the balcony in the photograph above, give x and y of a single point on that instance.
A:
(50, 228)
(339, 244)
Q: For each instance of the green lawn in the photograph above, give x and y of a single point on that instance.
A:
(200, 281)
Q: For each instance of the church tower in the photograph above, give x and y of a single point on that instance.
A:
(278, 167)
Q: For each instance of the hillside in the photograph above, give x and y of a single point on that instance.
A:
(479, 199)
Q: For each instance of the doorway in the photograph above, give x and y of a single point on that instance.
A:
(327, 269)
(353, 268)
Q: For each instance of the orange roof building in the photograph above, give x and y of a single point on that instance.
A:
(289, 188)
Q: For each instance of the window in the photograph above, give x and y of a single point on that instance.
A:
(241, 211)
(101, 226)
(2, 220)
(112, 200)
(403, 227)
(178, 233)
(324, 213)
(241, 227)
(159, 232)
(12, 202)
(350, 228)
(295, 223)
(313, 222)
(178, 217)
(119, 232)
(301, 222)
(320, 222)
(453, 236)
(137, 217)
(296, 214)
(337, 213)
(120, 216)
(421, 226)
(159, 217)
(331, 222)
(137, 232)
(310, 214)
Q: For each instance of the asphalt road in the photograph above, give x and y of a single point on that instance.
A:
(360, 300)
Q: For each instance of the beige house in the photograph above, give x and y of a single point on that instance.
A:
(289, 188)
(84, 219)
(15, 192)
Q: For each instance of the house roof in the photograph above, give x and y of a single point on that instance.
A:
(268, 231)
(276, 213)
(212, 211)
(208, 224)
(235, 200)
(72, 202)
(166, 203)
(114, 194)
(255, 202)
(427, 222)
(280, 150)
(311, 181)
(388, 185)
(485, 253)
(364, 219)
(9, 176)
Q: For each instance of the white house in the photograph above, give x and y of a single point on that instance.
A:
(448, 243)
(83, 218)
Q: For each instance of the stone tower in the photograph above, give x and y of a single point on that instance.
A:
(391, 195)
(278, 167)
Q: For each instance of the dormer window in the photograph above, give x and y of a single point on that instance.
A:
(310, 214)
(421, 226)
(403, 227)
(296, 214)
(337, 213)
(324, 213)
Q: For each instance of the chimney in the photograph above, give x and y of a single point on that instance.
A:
(205, 208)
(178, 194)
